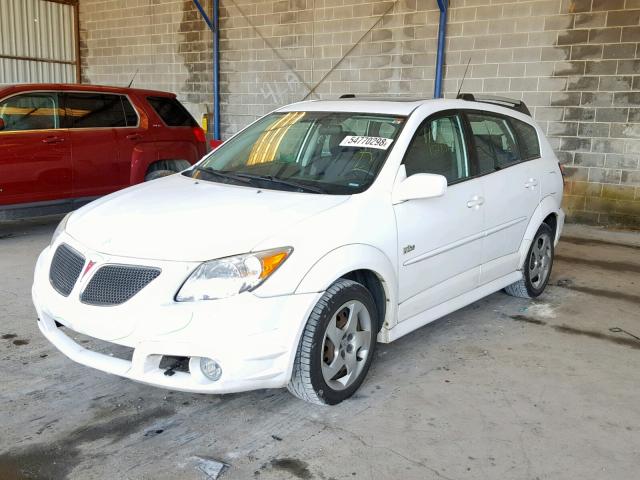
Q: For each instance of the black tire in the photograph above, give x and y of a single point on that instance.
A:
(531, 286)
(307, 381)
(157, 174)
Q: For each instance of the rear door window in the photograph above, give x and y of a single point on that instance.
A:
(94, 110)
(495, 142)
(130, 113)
(171, 111)
(31, 111)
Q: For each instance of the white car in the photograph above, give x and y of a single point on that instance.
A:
(282, 256)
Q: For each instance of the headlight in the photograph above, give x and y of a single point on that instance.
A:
(232, 275)
(60, 228)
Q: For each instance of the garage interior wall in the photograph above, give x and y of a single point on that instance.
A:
(576, 63)
(164, 44)
(37, 41)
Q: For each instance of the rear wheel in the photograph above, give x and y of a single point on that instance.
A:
(337, 345)
(537, 266)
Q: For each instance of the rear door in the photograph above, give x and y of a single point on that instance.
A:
(93, 119)
(439, 239)
(511, 187)
(130, 139)
(35, 155)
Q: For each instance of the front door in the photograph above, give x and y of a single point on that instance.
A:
(35, 155)
(439, 239)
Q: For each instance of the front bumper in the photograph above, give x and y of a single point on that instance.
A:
(254, 339)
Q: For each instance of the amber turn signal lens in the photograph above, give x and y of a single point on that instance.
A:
(271, 262)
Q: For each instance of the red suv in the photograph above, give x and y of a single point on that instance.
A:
(64, 145)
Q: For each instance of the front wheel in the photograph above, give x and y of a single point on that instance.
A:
(337, 345)
(537, 267)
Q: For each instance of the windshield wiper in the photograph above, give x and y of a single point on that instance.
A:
(223, 174)
(282, 181)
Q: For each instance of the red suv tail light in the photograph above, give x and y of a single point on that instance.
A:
(199, 134)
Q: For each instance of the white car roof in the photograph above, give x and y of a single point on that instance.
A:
(397, 106)
(400, 106)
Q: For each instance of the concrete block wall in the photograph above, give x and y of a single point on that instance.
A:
(575, 62)
(164, 41)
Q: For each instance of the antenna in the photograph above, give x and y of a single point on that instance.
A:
(463, 77)
(134, 77)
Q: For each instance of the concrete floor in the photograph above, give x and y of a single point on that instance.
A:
(504, 389)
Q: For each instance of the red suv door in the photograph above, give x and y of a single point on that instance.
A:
(35, 155)
(136, 142)
(94, 119)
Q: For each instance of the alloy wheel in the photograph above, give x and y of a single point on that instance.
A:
(540, 261)
(346, 345)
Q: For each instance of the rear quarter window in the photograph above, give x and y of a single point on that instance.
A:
(171, 111)
(527, 139)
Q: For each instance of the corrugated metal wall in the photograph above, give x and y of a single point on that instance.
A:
(37, 42)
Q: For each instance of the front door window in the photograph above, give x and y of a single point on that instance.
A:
(438, 147)
(30, 111)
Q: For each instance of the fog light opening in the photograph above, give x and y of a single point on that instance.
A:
(210, 369)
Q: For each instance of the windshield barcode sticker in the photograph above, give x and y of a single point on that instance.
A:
(366, 142)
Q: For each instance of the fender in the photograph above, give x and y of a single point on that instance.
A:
(147, 153)
(348, 258)
(178, 150)
(548, 205)
(144, 154)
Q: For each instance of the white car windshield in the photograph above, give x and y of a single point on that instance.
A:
(318, 152)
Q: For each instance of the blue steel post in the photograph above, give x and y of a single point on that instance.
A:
(216, 70)
(442, 34)
(213, 26)
(205, 17)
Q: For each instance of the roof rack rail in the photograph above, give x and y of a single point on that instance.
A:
(347, 95)
(517, 105)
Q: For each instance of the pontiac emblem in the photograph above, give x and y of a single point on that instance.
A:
(89, 266)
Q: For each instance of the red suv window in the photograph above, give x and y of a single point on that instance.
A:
(172, 112)
(30, 111)
(97, 110)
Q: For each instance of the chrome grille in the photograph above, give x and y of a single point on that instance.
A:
(66, 267)
(115, 284)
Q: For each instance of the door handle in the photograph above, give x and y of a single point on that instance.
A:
(52, 139)
(531, 183)
(134, 136)
(475, 202)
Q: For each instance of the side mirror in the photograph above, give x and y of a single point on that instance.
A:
(420, 185)
(2, 125)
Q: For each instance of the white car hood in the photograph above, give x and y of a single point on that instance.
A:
(179, 218)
